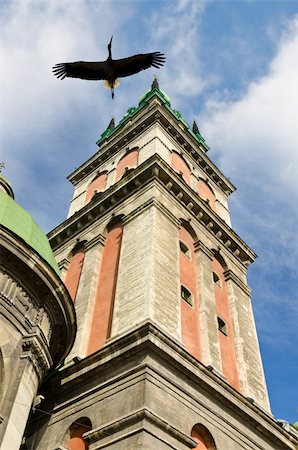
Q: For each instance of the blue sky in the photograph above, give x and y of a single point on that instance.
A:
(231, 65)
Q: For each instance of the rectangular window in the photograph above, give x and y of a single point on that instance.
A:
(222, 326)
(216, 279)
(186, 296)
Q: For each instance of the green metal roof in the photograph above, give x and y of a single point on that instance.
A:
(19, 221)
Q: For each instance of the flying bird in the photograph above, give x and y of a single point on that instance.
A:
(111, 69)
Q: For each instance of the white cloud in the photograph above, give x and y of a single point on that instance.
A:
(42, 117)
(178, 30)
(255, 139)
(259, 130)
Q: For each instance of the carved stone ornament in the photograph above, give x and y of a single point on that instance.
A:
(37, 353)
(21, 305)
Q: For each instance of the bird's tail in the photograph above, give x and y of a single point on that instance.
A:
(111, 85)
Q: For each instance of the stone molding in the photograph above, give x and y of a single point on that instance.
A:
(97, 239)
(64, 264)
(200, 246)
(230, 275)
(46, 290)
(154, 168)
(23, 308)
(140, 417)
(37, 353)
(155, 113)
(147, 205)
(147, 337)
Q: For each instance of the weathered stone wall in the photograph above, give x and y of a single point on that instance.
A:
(154, 140)
(144, 392)
(148, 284)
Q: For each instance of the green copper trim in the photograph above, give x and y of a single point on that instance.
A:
(166, 101)
(19, 221)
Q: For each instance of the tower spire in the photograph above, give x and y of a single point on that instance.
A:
(195, 128)
(111, 125)
(155, 84)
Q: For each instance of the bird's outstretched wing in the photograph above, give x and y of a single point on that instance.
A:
(134, 64)
(81, 69)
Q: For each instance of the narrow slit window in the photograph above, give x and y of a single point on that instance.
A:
(222, 326)
(184, 249)
(186, 296)
(216, 279)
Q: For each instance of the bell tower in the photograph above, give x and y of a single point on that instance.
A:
(166, 354)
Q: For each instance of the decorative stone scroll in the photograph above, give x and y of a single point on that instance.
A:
(38, 354)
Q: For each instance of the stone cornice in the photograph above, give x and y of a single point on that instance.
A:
(43, 284)
(155, 113)
(139, 417)
(200, 246)
(37, 353)
(154, 168)
(63, 264)
(230, 275)
(148, 204)
(149, 338)
(97, 239)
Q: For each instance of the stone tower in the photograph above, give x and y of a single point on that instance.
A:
(166, 353)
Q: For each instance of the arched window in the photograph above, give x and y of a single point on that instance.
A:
(97, 185)
(105, 294)
(77, 429)
(203, 437)
(74, 270)
(128, 161)
(184, 249)
(224, 322)
(179, 164)
(189, 291)
(206, 193)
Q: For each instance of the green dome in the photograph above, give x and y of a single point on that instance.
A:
(296, 425)
(16, 219)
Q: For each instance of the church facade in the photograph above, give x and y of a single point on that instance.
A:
(165, 354)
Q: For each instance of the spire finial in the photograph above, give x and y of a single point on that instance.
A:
(5, 185)
(195, 128)
(155, 84)
(111, 125)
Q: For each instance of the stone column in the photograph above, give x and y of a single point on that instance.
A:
(250, 368)
(210, 347)
(148, 276)
(33, 364)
